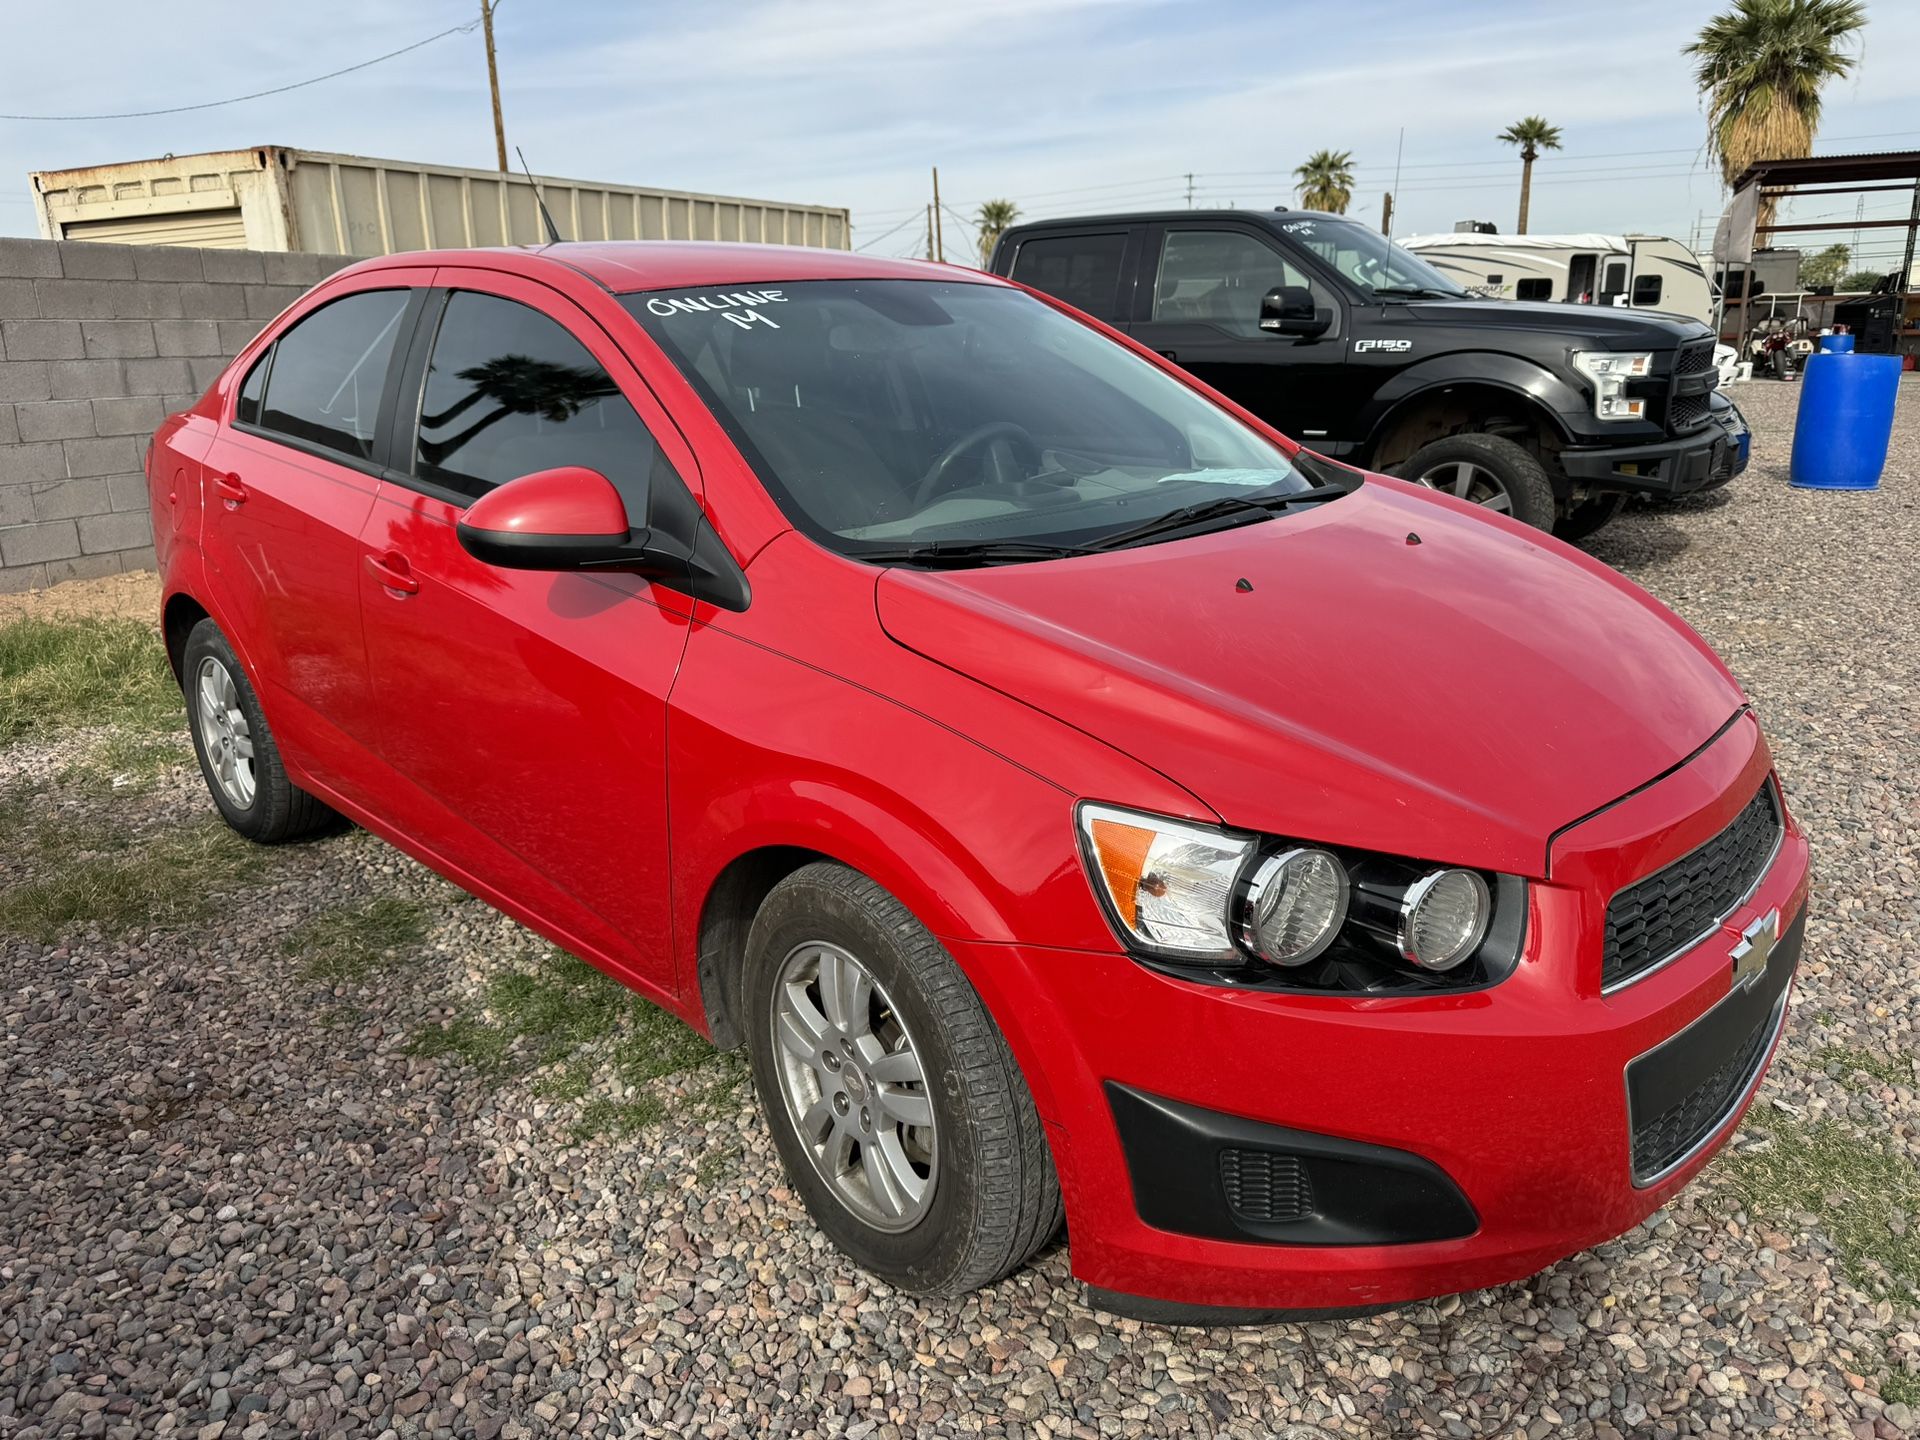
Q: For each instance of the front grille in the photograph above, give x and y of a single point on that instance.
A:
(1664, 1140)
(1654, 919)
(1265, 1187)
(1694, 359)
(1687, 412)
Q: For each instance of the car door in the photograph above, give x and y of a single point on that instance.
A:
(524, 712)
(289, 482)
(1203, 313)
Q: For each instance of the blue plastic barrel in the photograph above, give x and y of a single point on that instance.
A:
(1837, 344)
(1841, 433)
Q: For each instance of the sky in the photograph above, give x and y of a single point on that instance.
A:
(1063, 106)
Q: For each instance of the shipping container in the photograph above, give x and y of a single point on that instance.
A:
(273, 198)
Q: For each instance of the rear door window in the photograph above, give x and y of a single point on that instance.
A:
(329, 371)
(509, 391)
(1083, 270)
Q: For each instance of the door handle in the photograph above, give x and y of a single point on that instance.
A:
(229, 489)
(393, 573)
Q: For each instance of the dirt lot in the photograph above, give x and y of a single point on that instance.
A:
(306, 1142)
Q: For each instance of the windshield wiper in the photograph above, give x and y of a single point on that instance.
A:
(1189, 515)
(960, 553)
(1415, 292)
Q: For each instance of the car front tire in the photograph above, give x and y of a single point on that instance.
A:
(238, 756)
(894, 1101)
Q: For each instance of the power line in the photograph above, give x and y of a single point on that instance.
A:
(896, 229)
(465, 29)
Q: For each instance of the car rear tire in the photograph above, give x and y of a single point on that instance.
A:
(1586, 517)
(894, 1102)
(238, 756)
(1487, 470)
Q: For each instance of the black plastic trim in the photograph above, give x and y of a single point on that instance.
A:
(1180, 1312)
(1362, 1194)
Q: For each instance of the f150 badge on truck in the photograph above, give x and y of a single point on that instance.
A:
(1392, 347)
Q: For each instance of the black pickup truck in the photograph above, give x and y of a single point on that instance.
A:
(1553, 413)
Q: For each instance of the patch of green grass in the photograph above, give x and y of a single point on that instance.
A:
(1895, 1069)
(122, 883)
(567, 1018)
(1901, 1387)
(57, 673)
(1867, 1199)
(348, 942)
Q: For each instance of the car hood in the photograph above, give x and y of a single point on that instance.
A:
(1390, 670)
(1613, 329)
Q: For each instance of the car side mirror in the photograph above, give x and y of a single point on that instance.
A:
(569, 518)
(1289, 310)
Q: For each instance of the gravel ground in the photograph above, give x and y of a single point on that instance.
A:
(236, 1202)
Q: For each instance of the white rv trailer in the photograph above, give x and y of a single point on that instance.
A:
(1642, 272)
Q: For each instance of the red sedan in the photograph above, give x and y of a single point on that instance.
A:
(1074, 796)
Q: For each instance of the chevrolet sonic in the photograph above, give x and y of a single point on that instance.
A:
(1080, 801)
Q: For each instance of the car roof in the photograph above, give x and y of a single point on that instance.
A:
(628, 265)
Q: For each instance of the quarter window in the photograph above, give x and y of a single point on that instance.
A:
(1083, 270)
(509, 392)
(247, 408)
(1218, 277)
(329, 371)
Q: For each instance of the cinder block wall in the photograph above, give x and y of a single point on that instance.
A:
(97, 344)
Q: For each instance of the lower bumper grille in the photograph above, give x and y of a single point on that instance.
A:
(1264, 1187)
(1664, 1140)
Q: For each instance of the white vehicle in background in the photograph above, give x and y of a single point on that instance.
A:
(1637, 272)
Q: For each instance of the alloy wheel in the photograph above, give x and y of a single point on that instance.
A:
(1469, 482)
(225, 735)
(854, 1087)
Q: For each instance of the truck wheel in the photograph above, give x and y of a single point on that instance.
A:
(1585, 517)
(1486, 470)
(896, 1107)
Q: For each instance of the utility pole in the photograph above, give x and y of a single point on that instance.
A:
(929, 232)
(939, 226)
(1189, 189)
(493, 84)
(1386, 213)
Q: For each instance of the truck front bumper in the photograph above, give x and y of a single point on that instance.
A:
(1704, 460)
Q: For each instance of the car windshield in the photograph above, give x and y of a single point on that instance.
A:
(1369, 259)
(892, 415)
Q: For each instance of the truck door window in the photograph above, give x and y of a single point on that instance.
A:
(1083, 270)
(1217, 277)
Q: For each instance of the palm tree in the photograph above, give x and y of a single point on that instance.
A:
(1326, 181)
(991, 220)
(1761, 66)
(1532, 135)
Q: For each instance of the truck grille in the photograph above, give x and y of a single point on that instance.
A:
(1694, 359)
(1654, 919)
(1687, 412)
(1662, 1141)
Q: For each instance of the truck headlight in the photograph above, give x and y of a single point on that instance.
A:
(1610, 370)
(1325, 917)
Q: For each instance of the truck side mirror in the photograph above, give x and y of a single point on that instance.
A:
(1289, 310)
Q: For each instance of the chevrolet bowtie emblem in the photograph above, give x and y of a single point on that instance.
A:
(1750, 956)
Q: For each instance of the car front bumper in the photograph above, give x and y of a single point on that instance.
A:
(1514, 1097)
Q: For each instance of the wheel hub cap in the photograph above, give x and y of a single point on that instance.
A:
(853, 1086)
(225, 735)
(1470, 482)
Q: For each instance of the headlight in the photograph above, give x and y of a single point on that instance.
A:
(1248, 909)
(1610, 370)
(1166, 883)
(1294, 906)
